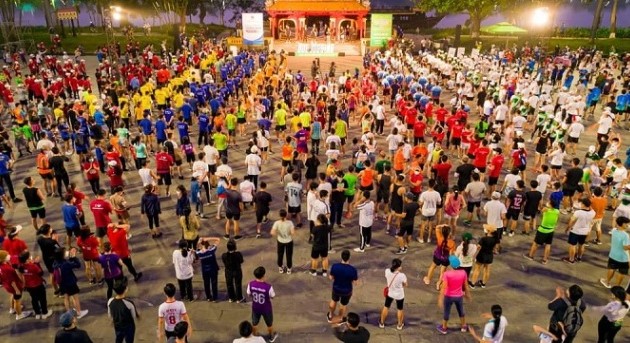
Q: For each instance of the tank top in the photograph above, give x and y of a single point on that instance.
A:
(367, 178)
(145, 176)
(33, 201)
(384, 183)
(397, 200)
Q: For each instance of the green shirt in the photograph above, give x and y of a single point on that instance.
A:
(281, 117)
(340, 128)
(351, 184)
(220, 141)
(380, 166)
(549, 220)
(230, 121)
(27, 131)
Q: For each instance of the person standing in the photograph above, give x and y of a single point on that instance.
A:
(164, 162)
(613, 314)
(261, 293)
(454, 289)
(253, 163)
(150, 206)
(70, 218)
(206, 253)
(48, 243)
(117, 235)
(407, 215)
(34, 201)
(112, 267)
(57, 162)
(101, 209)
(170, 313)
(618, 255)
(366, 209)
(429, 202)
(6, 165)
(123, 313)
(182, 260)
(344, 276)
(233, 209)
(284, 230)
(262, 200)
(494, 330)
(321, 244)
(567, 308)
(496, 212)
(69, 332)
(35, 285)
(485, 256)
(544, 233)
(395, 290)
(13, 283)
(578, 229)
(232, 261)
(63, 272)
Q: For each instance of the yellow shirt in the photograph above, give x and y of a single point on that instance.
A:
(145, 89)
(178, 100)
(160, 96)
(139, 113)
(124, 110)
(294, 123)
(89, 98)
(58, 113)
(305, 117)
(136, 99)
(145, 102)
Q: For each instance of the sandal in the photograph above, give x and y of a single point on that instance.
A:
(544, 261)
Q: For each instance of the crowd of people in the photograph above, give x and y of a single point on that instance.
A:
(411, 139)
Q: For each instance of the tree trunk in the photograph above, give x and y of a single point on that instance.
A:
(597, 18)
(182, 19)
(202, 14)
(222, 16)
(475, 25)
(613, 19)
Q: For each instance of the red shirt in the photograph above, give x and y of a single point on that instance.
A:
(474, 144)
(442, 170)
(413, 178)
(78, 200)
(439, 136)
(516, 158)
(428, 110)
(118, 239)
(89, 248)
(419, 128)
(466, 135)
(440, 114)
(163, 162)
(115, 176)
(497, 164)
(32, 275)
(481, 156)
(457, 130)
(411, 115)
(9, 276)
(92, 174)
(14, 247)
(101, 210)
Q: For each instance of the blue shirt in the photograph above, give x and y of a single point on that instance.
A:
(70, 219)
(186, 110)
(146, 125)
(168, 114)
(556, 198)
(203, 123)
(160, 130)
(343, 276)
(265, 123)
(4, 164)
(618, 240)
(214, 105)
(208, 259)
(182, 129)
(99, 118)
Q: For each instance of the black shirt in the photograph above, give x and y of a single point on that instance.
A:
(262, 200)
(122, 312)
(410, 209)
(48, 246)
(232, 260)
(559, 307)
(56, 163)
(573, 177)
(73, 336)
(360, 335)
(532, 200)
(320, 237)
(232, 202)
(464, 173)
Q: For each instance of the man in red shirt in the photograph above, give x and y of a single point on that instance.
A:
(117, 234)
(419, 128)
(101, 209)
(164, 161)
(13, 245)
(115, 175)
(440, 114)
(457, 128)
(442, 169)
(494, 169)
(481, 158)
(34, 285)
(13, 284)
(519, 159)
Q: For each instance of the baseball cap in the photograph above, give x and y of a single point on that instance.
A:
(496, 195)
(66, 319)
(410, 195)
(15, 231)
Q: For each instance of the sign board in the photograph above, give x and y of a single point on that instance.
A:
(67, 13)
(451, 52)
(461, 52)
(253, 30)
(474, 53)
(380, 29)
(234, 41)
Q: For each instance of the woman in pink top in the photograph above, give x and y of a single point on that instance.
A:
(454, 289)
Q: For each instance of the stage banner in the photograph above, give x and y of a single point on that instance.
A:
(380, 29)
(253, 31)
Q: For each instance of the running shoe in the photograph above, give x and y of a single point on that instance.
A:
(441, 329)
(328, 317)
(528, 257)
(359, 250)
(464, 328)
(381, 325)
(400, 327)
(604, 283)
(567, 260)
(273, 337)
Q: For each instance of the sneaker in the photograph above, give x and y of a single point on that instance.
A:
(359, 250)
(464, 328)
(82, 314)
(324, 274)
(273, 337)
(288, 270)
(511, 234)
(441, 329)
(137, 277)
(313, 273)
(471, 285)
(482, 285)
(242, 301)
(38, 316)
(528, 257)
(331, 251)
(578, 259)
(381, 325)
(47, 315)
(420, 240)
(230, 300)
(367, 245)
(11, 310)
(328, 317)
(587, 244)
(603, 282)
(238, 237)
(400, 327)
(258, 235)
(226, 237)
(17, 200)
(429, 240)
(25, 314)
(566, 259)
(401, 251)
(280, 270)
(426, 280)
(342, 226)
(597, 241)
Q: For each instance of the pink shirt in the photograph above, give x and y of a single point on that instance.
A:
(455, 280)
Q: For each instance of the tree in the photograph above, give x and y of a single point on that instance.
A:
(597, 18)
(613, 19)
(476, 9)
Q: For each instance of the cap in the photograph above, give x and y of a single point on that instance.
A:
(496, 195)
(15, 231)
(67, 318)
(254, 149)
(112, 163)
(454, 261)
(467, 236)
(520, 145)
(410, 195)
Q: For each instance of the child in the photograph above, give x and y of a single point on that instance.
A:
(100, 155)
(262, 293)
(556, 196)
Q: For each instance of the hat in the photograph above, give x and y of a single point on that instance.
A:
(4, 256)
(410, 195)
(520, 145)
(254, 149)
(496, 195)
(454, 261)
(467, 236)
(489, 228)
(67, 318)
(15, 231)
(112, 163)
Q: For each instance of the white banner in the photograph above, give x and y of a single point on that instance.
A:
(253, 30)
(461, 52)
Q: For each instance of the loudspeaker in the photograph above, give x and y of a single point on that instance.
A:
(458, 35)
(342, 54)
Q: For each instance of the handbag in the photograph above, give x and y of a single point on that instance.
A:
(386, 289)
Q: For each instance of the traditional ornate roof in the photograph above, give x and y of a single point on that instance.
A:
(317, 6)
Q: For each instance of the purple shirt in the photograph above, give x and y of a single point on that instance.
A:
(261, 293)
(111, 268)
(301, 137)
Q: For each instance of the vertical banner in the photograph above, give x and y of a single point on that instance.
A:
(380, 29)
(253, 30)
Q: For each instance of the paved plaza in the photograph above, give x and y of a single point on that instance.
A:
(520, 286)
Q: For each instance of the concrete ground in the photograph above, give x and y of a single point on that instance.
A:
(523, 288)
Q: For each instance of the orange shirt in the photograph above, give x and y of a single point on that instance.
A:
(367, 177)
(598, 204)
(218, 121)
(114, 141)
(287, 152)
(450, 244)
(399, 160)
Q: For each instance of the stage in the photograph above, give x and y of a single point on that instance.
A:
(317, 47)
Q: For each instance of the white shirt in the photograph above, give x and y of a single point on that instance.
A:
(557, 156)
(395, 282)
(393, 141)
(620, 174)
(183, 265)
(500, 112)
(201, 167)
(605, 124)
(583, 223)
(543, 181)
(575, 130)
(466, 260)
(333, 138)
(212, 155)
(145, 176)
(366, 214)
(494, 209)
(253, 162)
(224, 171)
(487, 331)
(511, 179)
(518, 122)
(429, 200)
(251, 339)
(311, 197)
(380, 112)
(172, 312)
(247, 190)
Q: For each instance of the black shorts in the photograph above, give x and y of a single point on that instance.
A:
(405, 229)
(498, 235)
(73, 231)
(281, 128)
(350, 198)
(343, 141)
(439, 262)
(343, 299)
(190, 158)
(575, 239)
(267, 317)
(367, 188)
(17, 297)
(260, 215)
(382, 197)
(286, 163)
(41, 213)
(621, 267)
(165, 179)
(212, 168)
(521, 167)
(512, 214)
(241, 120)
(48, 176)
(101, 231)
(233, 216)
(484, 258)
(400, 303)
(49, 266)
(470, 206)
(69, 291)
(481, 169)
(530, 214)
(317, 252)
(556, 167)
(294, 209)
(456, 141)
(573, 139)
(493, 181)
(542, 238)
(232, 132)
(568, 192)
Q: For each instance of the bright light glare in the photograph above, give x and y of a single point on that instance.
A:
(541, 16)
(116, 9)
(116, 16)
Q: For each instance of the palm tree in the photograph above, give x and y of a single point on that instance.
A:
(613, 19)
(597, 18)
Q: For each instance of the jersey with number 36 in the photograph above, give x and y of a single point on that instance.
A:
(261, 293)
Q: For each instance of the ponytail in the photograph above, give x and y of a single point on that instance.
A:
(183, 246)
(620, 294)
(496, 311)
(465, 244)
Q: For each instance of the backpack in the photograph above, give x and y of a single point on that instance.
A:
(522, 158)
(572, 320)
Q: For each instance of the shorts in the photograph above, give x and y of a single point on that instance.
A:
(17, 297)
(165, 179)
(350, 198)
(69, 291)
(493, 181)
(260, 215)
(573, 139)
(456, 141)
(439, 262)
(369, 187)
(267, 317)
(470, 206)
(556, 167)
(281, 128)
(400, 303)
(317, 253)
(621, 267)
(568, 192)
(382, 197)
(521, 167)
(542, 238)
(427, 218)
(40, 212)
(498, 234)
(409, 126)
(294, 209)
(405, 230)
(343, 141)
(212, 168)
(343, 299)
(241, 120)
(232, 216)
(484, 258)
(101, 231)
(70, 231)
(48, 176)
(481, 169)
(527, 215)
(190, 158)
(232, 132)
(286, 163)
(575, 239)
(512, 214)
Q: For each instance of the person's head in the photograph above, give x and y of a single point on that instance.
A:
(598, 191)
(575, 293)
(283, 214)
(622, 222)
(181, 329)
(619, 294)
(454, 262)
(576, 161)
(322, 219)
(345, 255)
(520, 184)
(68, 320)
(120, 286)
(245, 329)
(396, 265)
(231, 245)
(496, 312)
(28, 181)
(107, 247)
(170, 290)
(69, 198)
(586, 203)
(259, 273)
(353, 320)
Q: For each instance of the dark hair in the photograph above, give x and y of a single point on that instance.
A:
(24, 256)
(575, 293)
(353, 319)
(465, 243)
(345, 255)
(44, 229)
(617, 291)
(322, 219)
(259, 272)
(120, 286)
(181, 329)
(598, 191)
(170, 290)
(496, 311)
(245, 329)
(183, 246)
(396, 263)
(231, 245)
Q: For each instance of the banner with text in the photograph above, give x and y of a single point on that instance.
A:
(380, 29)
(253, 30)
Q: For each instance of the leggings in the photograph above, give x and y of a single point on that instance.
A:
(127, 262)
(185, 289)
(606, 330)
(234, 283)
(210, 281)
(110, 285)
(38, 299)
(288, 249)
(62, 178)
(154, 220)
(459, 305)
(95, 185)
(366, 236)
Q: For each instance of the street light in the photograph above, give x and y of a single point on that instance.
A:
(541, 17)
(116, 16)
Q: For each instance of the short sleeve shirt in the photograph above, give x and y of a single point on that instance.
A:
(619, 239)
